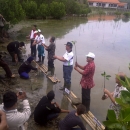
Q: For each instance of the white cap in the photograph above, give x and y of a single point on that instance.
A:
(39, 30)
(91, 55)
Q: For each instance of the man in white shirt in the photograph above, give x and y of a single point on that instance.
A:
(15, 120)
(39, 39)
(67, 60)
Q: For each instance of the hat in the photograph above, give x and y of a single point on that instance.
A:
(22, 43)
(30, 59)
(51, 95)
(69, 44)
(38, 30)
(91, 55)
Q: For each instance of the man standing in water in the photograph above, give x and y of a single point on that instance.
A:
(87, 79)
(67, 60)
(40, 40)
(51, 53)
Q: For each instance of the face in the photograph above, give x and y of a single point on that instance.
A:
(89, 59)
(33, 28)
(68, 48)
(38, 33)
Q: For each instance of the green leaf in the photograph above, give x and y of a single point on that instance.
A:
(102, 74)
(108, 76)
(111, 115)
(125, 114)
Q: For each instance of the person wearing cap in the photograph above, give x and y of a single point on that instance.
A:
(25, 68)
(14, 49)
(46, 110)
(32, 36)
(86, 82)
(16, 120)
(51, 53)
(67, 60)
(39, 39)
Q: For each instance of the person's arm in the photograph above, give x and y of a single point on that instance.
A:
(34, 43)
(110, 95)
(22, 117)
(16, 57)
(60, 58)
(32, 68)
(77, 65)
(3, 121)
(81, 125)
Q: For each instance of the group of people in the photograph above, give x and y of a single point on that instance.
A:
(46, 109)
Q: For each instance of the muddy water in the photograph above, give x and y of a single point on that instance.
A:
(107, 37)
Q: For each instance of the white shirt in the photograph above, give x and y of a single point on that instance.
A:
(40, 38)
(116, 94)
(32, 34)
(15, 119)
(69, 58)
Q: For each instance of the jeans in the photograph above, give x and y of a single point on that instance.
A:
(52, 116)
(25, 75)
(33, 49)
(67, 70)
(51, 63)
(75, 129)
(86, 98)
(6, 68)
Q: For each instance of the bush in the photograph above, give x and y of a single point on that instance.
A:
(127, 14)
(12, 10)
(31, 9)
(43, 11)
(57, 10)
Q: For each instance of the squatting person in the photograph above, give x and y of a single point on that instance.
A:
(86, 82)
(67, 60)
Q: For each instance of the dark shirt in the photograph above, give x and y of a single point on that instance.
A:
(26, 67)
(13, 47)
(70, 121)
(87, 76)
(51, 51)
(43, 109)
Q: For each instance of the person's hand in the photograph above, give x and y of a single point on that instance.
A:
(106, 91)
(21, 95)
(76, 64)
(75, 67)
(55, 57)
(16, 61)
(3, 122)
(53, 103)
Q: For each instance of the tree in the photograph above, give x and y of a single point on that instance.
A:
(57, 10)
(12, 10)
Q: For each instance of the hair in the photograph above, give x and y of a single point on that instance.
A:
(53, 39)
(9, 99)
(35, 26)
(81, 109)
(122, 77)
(21, 44)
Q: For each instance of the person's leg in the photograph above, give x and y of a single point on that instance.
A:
(52, 116)
(24, 75)
(31, 42)
(19, 55)
(34, 51)
(6, 68)
(86, 98)
(75, 128)
(43, 59)
(12, 55)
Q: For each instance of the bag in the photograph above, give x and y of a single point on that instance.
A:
(76, 101)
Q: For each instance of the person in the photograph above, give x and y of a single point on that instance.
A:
(116, 93)
(25, 68)
(2, 22)
(73, 119)
(46, 110)
(39, 39)
(14, 50)
(6, 68)
(32, 37)
(86, 82)
(16, 120)
(51, 53)
(67, 60)
(3, 121)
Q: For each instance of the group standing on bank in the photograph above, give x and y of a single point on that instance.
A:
(47, 110)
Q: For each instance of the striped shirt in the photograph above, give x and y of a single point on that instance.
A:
(15, 119)
(70, 121)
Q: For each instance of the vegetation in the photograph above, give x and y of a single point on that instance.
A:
(16, 10)
(123, 121)
(127, 14)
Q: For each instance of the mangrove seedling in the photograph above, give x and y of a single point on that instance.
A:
(75, 49)
(129, 66)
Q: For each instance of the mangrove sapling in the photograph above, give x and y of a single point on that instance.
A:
(105, 77)
(75, 49)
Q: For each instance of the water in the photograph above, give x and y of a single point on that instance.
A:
(107, 37)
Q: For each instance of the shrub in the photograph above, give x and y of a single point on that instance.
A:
(127, 14)
(57, 10)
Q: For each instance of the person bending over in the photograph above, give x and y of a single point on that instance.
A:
(14, 49)
(46, 110)
(73, 119)
(25, 68)
(16, 120)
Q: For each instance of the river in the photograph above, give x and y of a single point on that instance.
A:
(107, 37)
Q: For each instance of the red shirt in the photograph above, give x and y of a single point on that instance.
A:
(87, 76)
